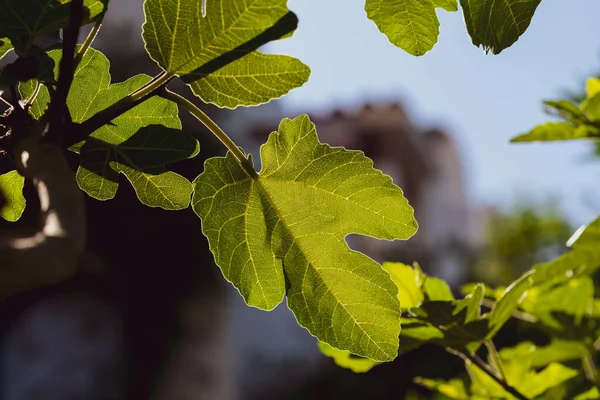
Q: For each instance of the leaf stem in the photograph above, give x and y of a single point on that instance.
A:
(470, 359)
(495, 361)
(101, 118)
(156, 84)
(590, 370)
(213, 127)
(523, 316)
(31, 98)
(89, 40)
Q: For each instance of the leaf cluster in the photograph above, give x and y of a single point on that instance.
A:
(279, 233)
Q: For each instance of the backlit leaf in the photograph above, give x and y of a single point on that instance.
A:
(436, 289)
(217, 54)
(137, 144)
(448, 5)
(282, 232)
(472, 304)
(496, 25)
(254, 79)
(11, 191)
(551, 131)
(508, 303)
(408, 282)
(411, 25)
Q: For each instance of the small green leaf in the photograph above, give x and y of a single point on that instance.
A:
(35, 18)
(347, 360)
(472, 303)
(508, 303)
(454, 388)
(436, 289)
(408, 282)
(411, 25)
(137, 144)
(283, 231)
(496, 25)
(217, 54)
(11, 188)
(551, 131)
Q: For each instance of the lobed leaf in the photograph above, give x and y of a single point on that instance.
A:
(282, 232)
(496, 25)
(11, 190)
(217, 55)
(137, 144)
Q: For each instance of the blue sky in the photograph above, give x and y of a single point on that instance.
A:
(482, 100)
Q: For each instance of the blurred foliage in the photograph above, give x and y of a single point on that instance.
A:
(518, 239)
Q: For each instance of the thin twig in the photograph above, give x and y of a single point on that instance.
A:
(35, 93)
(495, 361)
(523, 316)
(211, 126)
(469, 359)
(58, 105)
